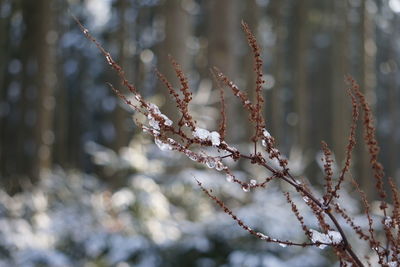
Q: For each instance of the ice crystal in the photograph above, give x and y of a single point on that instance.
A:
(230, 178)
(192, 156)
(167, 121)
(266, 133)
(253, 182)
(210, 162)
(153, 123)
(263, 143)
(109, 59)
(161, 145)
(219, 165)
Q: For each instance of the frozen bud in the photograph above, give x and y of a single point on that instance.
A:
(263, 143)
(192, 156)
(388, 221)
(167, 121)
(230, 178)
(219, 165)
(332, 237)
(262, 236)
(246, 188)
(253, 182)
(210, 162)
(274, 151)
(109, 59)
(266, 133)
(171, 141)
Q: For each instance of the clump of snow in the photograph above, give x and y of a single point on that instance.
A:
(215, 138)
(266, 133)
(201, 133)
(262, 236)
(264, 143)
(205, 135)
(153, 122)
(332, 237)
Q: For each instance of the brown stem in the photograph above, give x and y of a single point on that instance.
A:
(287, 177)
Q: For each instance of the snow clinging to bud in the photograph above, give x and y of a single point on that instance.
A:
(153, 122)
(205, 135)
(332, 237)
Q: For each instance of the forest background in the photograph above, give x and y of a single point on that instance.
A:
(59, 121)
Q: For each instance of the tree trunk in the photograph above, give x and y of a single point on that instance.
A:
(301, 93)
(178, 28)
(222, 32)
(367, 84)
(341, 104)
(46, 81)
(120, 117)
(276, 99)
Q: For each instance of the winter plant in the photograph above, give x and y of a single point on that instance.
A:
(381, 234)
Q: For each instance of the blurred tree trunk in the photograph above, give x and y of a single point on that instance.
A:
(393, 107)
(4, 46)
(223, 32)
(120, 116)
(367, 84)
(301, 92)
(340, 100)
(44, 49)
(61, 148)
(5, 107)
(275, 99)
(253, 15)
(27, 133)
(178, 28)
